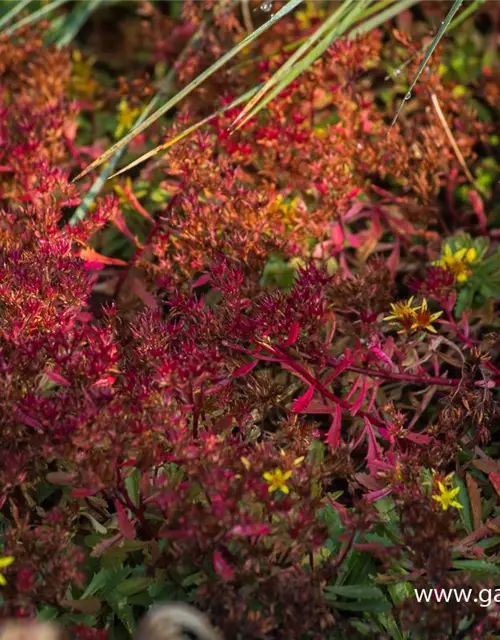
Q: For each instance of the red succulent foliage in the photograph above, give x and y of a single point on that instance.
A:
(243, 436)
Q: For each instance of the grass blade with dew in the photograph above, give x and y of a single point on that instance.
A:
(290, 6)
(17, 8)
(100, 181)
(35, 16)
(375, 21)
(466, 13)
(282, 71)
(302, 65)
(186, 132)
(359, 11)
(163, 89)
(430, 51)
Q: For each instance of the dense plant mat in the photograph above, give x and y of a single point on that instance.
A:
(258, 370)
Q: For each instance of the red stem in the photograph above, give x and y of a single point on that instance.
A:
(408, 377)
(344, 404)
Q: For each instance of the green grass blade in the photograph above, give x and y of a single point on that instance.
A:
(74, 22)
(283, 70)
(17, 8)
(466, 13)
(163, 90)
(35, 16)
(301, 66)
(430, 51)
(100, 181)
(187, 132)
(191, 86)
(383, 16)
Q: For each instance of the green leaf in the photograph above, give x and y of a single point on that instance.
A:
(357, 592)
(123, 612)
(477, 566)
(464, 300)
(105, 578)
(131, 586)
(374, 606)
(463, 498)
(133, 486)
(47, 613)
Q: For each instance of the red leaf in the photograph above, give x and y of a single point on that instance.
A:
(374, 453)
(256, 529)
(126, 526)
(495, 481)
(372, 496)
(91, 257)
(246, 368)
(300, 404)
(357, 404)
(138, 287)
(83, 493)
(119, 221)
(106, 381)
(60, 478)
(221, 567)
(334, 432)
(418, 438)
(316, 406)
(58, 379)
(478, 206)
(293, 334)
(199, 282)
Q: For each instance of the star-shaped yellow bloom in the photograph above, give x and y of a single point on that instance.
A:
(6, 561)
(277, 480)
(446, 497)
(459, 262)
(424, 318)
(411, 318)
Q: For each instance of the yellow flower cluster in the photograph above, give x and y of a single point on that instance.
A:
(411, 318)
(458, 262)
(446, 497)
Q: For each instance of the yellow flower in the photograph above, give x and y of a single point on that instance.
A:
(404, 314)
(458, 263)
(446, 496)
(126, 118)
(277, 480)
(411, 318)
(424, 318)
(5, 562)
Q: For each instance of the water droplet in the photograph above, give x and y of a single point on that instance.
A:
(266, 7)
(408, 96)
(397, 72)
